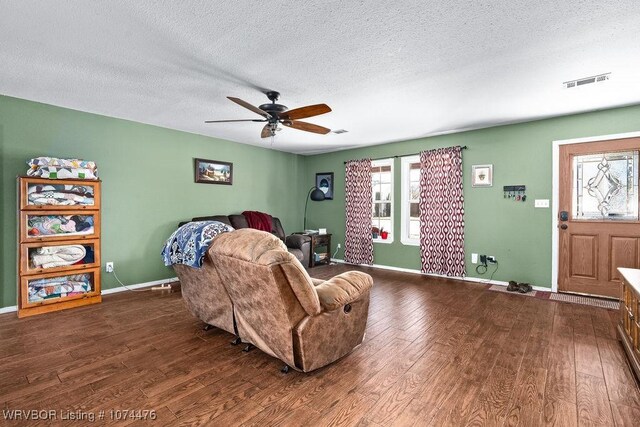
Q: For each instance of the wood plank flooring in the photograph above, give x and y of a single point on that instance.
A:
(437, 352)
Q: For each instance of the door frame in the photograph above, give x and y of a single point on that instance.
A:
(556, 193)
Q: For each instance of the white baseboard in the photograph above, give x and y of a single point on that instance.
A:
(8, 309)
(109, 291)
(466, 279)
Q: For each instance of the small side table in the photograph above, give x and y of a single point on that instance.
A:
(320, 241)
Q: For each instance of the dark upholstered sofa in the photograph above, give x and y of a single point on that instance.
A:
(299, 245)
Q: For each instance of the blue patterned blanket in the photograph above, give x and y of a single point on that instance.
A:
(189, 243)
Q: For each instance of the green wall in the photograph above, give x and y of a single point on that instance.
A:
(516, 233)
(147, 175)
(148, 187)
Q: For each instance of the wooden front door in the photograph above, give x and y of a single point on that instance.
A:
(598, 222)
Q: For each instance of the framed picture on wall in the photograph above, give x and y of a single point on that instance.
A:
(213, 172)
(482, 175)
(324, 181)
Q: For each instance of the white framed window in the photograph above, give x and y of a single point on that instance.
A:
(382, 195)
(410, 221)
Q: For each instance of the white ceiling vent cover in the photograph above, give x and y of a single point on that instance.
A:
(339, 131)
(587, 80)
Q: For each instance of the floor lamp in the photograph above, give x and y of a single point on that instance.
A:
(315, 194)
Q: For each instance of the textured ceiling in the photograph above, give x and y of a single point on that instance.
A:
(390, 70)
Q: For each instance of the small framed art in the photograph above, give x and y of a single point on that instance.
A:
(324, 181)
(213, 172)
(482, 175)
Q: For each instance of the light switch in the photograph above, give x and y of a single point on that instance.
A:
(542, 203)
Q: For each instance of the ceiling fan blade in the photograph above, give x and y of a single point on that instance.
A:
(248, 106)
(229, 121)
(309, 127)
(304, 112)
(266, 131)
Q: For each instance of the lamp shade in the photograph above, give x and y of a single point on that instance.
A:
(317, 195)
(314, 194)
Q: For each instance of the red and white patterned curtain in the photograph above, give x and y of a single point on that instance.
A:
(358, 243)
(442, 212)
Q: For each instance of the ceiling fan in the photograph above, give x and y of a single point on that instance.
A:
(275, 114)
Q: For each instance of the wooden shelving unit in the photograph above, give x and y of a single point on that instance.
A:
(629, 325)
(57, 213)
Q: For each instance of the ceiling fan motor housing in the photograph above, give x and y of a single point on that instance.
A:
(273, 108)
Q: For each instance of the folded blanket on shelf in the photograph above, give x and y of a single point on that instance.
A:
(60, 195)
(48, 225)
(259, 220)
(89, 258)
(58, 256)
(53, 168)
(58, 287)
(189, 243)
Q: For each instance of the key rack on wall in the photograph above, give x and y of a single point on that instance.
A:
(517, 193)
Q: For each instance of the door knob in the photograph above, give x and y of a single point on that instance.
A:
(564, 226)
(564, 216)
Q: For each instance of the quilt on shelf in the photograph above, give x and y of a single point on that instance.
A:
(53, 168)
(59, 287)
(49, 225)
(58, 256)
(189, 243)
(61, 195)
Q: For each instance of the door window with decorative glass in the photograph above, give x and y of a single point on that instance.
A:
(382, 194)
(605, 186)
(410, 200)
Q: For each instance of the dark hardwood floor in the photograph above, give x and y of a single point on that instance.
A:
(437, 352)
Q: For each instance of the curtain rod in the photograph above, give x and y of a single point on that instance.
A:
(464, 147)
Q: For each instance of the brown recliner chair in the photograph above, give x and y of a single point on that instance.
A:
(203, 292)
(280, 310)
(205, 296)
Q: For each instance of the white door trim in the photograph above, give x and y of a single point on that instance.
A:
(556, 193)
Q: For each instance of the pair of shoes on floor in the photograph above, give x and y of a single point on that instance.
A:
(523, 288)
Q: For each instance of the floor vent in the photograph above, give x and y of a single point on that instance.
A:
(587, 80)
(570, 298)
(595, 302)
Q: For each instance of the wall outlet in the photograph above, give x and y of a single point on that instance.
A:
(108, 267)
(541, 203)
(474, 258)
(339, 245)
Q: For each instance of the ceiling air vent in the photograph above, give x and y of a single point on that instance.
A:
(339, 131)
(587, 80)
